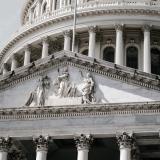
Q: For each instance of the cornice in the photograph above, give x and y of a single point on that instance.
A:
(63, 58)
(25, 113)
(34, 27)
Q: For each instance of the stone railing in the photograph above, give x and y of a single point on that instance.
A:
(94, 5)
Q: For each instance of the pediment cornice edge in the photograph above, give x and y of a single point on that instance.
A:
(96, 66)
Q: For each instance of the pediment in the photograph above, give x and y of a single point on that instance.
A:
(74, 79)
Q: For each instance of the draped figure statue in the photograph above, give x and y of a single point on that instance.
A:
(63, 86)
(38, 96)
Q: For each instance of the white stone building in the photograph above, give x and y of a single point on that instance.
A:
(95, 99)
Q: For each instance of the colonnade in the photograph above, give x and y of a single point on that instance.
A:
(83, 144)
(119, 53)
(37, 9)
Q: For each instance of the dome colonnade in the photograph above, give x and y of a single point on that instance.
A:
(119, 55)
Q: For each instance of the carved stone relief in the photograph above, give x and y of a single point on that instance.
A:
(63, 90)
(38, 96)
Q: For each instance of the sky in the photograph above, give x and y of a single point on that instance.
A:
(10, 12)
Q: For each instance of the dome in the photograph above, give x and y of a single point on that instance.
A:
(80, 73)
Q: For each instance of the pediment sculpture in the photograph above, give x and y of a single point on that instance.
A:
(38, 96)
(63, 88)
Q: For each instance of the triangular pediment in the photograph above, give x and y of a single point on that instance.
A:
(76, 79)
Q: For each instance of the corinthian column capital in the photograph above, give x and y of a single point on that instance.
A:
(67, 33)
(125, 140)
(45, 39)
(42, 143)
(5, 144)
(146, 28)
(92, 29)
(118, 27)
(83, 141)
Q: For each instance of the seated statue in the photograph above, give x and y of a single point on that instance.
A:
(63, 87)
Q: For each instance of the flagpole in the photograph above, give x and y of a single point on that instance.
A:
(74, 26)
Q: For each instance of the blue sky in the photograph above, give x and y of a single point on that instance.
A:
(10, 11)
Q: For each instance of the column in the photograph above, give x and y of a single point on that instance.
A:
(146, 50)
(49, 5)
(27, 55)
(5, 144)
(45, 47)
(53, 5)
(119, 56)
(125, 144)
(67, 40)
(5, 70)
(41, 147)
(61, 3)
(14, 63)
(83, 143)
(92, 41)
(39, 7)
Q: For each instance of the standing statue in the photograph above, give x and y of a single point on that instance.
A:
(38, 96)
(63, 87)
(88, 89)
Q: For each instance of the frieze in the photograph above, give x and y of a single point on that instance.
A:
(80, 111)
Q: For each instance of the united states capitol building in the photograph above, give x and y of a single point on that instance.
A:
(81, 81)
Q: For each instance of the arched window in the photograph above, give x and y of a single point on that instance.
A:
(132, 57)
(44, 8)
(85, 52)
(108, 54)
(155, 61)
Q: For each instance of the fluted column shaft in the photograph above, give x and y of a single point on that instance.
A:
(14, 63)
(39, 7)
(61, 3)
(27, 55)
(41, 147)
(83, 144)
(92, 41)
(53, 5)
(125, 144)
(147, 52)
(45, 47)
(5, 144)
(119, 45)
(67, 40)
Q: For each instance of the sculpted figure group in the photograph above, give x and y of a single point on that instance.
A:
(63, 88)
